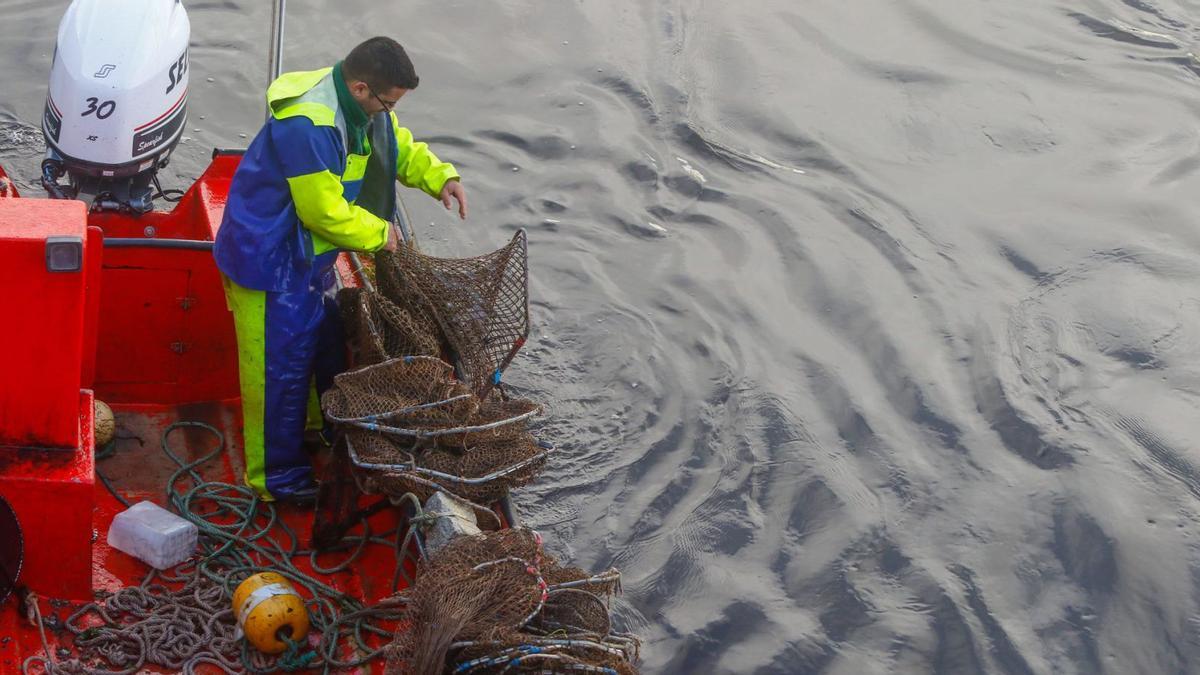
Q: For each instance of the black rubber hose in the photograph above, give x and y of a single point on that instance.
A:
(187, 244)
(51, 172)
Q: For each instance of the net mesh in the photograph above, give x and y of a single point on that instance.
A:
(416, 423)
(414, 390)
(469, 474)
(497, 602)
(380, 329)
(412, 428)
(415, 397)
(480, 304)
(413, 424)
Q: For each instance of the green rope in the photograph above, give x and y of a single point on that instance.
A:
(105, 452)
(240, 535)
(232, 547)
(293, 659)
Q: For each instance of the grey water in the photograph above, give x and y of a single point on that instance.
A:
(869, 332)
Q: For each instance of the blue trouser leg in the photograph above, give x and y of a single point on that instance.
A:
(303, 339)
(331, 349)
(292, 326)
(284, 340)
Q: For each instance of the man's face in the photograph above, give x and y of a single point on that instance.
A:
(374, 101)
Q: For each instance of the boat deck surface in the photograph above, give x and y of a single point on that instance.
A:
(139, 470)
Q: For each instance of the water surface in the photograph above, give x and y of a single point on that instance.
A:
(869, 332)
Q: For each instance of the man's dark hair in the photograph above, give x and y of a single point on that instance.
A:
(382, 63)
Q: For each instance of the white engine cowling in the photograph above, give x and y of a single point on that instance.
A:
(118, 86)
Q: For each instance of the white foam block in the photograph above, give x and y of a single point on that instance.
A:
(153, 535)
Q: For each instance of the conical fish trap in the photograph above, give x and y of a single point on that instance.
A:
(412, 428)
(481, 473)
(378, 329)
(498, 603)
(480, 304)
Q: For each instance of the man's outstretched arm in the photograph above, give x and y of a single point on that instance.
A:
(418, 167)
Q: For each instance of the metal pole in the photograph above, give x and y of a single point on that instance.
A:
(275, 55)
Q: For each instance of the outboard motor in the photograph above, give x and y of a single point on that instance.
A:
(117, 102)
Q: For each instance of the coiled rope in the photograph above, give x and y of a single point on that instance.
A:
(182, 618)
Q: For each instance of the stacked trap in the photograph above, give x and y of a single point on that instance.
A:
(498, 603)
(411, 428)
(425, 411)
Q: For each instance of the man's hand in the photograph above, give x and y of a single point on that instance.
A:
(393, 239)
(453, 188)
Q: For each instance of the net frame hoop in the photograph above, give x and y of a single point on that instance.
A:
(430, 484)
(399, 412)
(592, 644)
(435, 433)
(609, 577)
(358, 462)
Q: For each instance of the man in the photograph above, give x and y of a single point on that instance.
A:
(293, 205)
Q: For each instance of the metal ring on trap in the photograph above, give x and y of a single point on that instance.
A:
(416, 397)
(482, 473)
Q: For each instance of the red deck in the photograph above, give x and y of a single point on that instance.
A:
(139, 470)
(148, 331)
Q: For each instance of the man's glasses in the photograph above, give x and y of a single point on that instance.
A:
(387, 107)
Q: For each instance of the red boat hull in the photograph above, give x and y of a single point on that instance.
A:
(148, 331)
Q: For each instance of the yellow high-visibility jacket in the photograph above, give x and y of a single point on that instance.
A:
(293, 195)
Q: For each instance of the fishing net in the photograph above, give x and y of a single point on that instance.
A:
(412, 391)
(424, 413)
(480, 304)
(416, 397)
(413, 422)
(481, 473)
(380, 329)
(411, 427)
(497, 602)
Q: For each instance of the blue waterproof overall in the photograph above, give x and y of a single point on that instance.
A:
(291, 210)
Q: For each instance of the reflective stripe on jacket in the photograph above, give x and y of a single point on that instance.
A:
(293, 194)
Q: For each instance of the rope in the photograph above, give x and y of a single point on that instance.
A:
(182, 619)
(105, 452)
(294, 658)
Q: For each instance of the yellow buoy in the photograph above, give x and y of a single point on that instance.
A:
(267, 608)
(104, 426)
